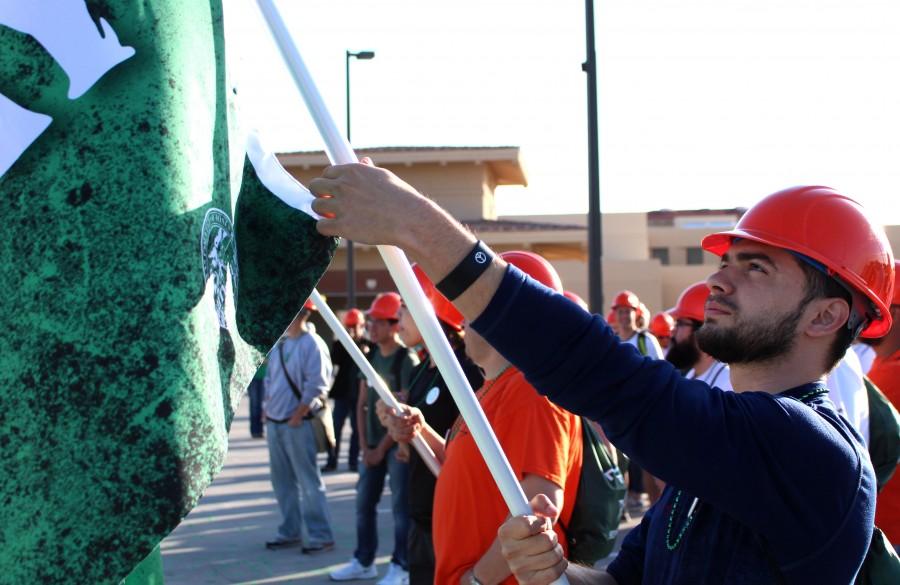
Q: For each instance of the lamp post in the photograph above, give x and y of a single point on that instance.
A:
(595, 227)
(351, 275)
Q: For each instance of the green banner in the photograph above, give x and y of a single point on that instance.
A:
(145, 270)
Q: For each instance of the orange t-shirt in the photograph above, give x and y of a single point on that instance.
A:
(885, 373)
(538, 438)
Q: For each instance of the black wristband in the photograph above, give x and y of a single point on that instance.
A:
(466, 272)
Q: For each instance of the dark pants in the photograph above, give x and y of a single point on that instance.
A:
(344, 408)
(256, 390)
(368, 493)
(421, 554)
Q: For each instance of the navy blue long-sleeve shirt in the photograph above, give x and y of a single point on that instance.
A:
(770, 472)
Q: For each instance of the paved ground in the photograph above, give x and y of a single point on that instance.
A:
(222, 539)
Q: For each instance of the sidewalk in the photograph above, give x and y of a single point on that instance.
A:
(223, 539)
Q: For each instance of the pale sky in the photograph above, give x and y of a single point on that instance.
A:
(703, 103)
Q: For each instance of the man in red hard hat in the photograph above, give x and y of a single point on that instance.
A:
(685, 352)
(764, 484)
(394, 363)
(885, 373)
(662, 326)
(627, 306)
(345, 389)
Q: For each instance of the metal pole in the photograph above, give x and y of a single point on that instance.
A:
(595, 226)
(351, 274)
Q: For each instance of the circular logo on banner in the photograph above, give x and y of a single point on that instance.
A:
(480, 257)
(432, 396)
(219, 253)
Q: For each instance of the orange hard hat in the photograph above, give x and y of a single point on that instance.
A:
(577, 300)
(535, 266)
(692, 302)
(353, 318)
(385, 306)
(832, 230)
(662, 325)
(443, 308)
(626, 298)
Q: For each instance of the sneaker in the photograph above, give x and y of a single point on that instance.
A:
(354, 570)
(396, 575)
(317, 548)
(281, 542)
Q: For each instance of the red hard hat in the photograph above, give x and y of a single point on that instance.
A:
(577, 300)
(353, 318)
(309, 305)
(832, 229)
(385, 306)
(662, 325)
(692, 302)
(626, 298)
(535, 266)
(443, 308)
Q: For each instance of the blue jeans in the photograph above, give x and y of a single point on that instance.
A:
(298, 484)
(344, 409)
(255, 392)
(368, 493)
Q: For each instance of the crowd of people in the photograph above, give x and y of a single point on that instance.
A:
(754, 417)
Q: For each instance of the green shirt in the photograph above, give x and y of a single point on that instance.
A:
(386, 368)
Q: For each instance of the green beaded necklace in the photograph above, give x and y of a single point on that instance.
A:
(690, 517)
(815, 393)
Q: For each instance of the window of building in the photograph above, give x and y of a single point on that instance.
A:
(661, 254)
(695, 255)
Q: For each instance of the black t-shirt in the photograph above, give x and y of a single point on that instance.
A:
(346, 383)
(440, 415)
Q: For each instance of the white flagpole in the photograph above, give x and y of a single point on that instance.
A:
(375, 381)
(340, 152)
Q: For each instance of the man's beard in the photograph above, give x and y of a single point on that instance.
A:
(748, 342)
(683, 354)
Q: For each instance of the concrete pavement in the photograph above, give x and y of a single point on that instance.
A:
(223, 539)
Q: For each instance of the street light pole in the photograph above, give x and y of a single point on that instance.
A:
(351, 274)
(595, 227)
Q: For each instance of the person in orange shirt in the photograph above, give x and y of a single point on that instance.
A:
(885, 373)
(542, 442)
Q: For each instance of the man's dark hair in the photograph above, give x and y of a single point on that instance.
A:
(821, 286)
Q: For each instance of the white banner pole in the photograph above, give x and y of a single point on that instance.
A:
(372, 377)
(340, 152)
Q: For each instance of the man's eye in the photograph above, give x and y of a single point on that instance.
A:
(758, 267)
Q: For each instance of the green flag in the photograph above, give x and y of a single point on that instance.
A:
(151, 254)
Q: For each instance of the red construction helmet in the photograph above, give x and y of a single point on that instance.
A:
(385, 306)
(311, 306)
(626, 298)
(576, 299)
(831, 229)
(535, 266)
(353, 318)
(692, 302)
(662, 325)
(443, 308)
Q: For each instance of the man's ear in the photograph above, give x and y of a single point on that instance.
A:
(826, 316)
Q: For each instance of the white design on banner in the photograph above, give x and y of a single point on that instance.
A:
(65, 29)
(24, 126)
(276, 179)
(219, 254)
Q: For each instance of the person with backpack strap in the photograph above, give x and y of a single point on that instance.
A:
(770, 468)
